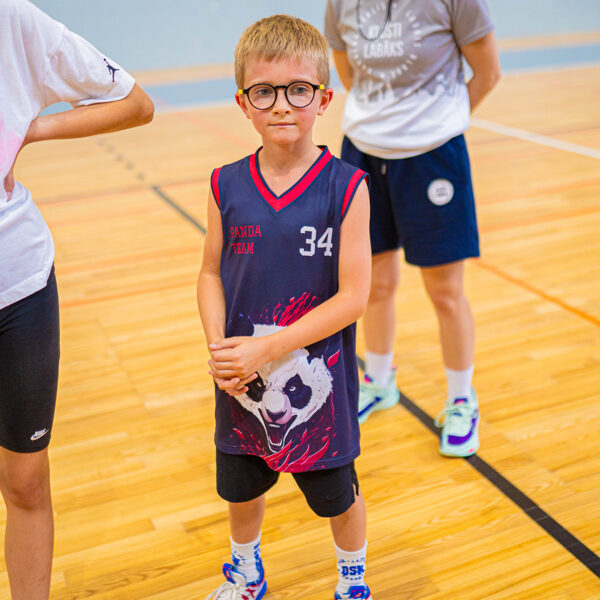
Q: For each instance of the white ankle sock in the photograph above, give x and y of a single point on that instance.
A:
(378, 367)
(246, 558)
(351, 568)
(459, 384)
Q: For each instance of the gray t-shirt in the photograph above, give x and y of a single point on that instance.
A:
(409, 95)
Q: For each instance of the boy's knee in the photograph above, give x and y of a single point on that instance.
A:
(329, 493)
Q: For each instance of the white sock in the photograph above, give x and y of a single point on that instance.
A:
(459, 384)
(246, 558)
(379, 367)
(351, 568)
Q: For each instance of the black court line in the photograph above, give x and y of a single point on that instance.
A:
(564, 537)
(178, 208)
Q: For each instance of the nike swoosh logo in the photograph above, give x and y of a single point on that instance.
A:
(39, 434)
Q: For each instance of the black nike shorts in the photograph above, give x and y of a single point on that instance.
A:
(328, 492)
(29, 354)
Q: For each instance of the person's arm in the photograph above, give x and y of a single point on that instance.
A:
(92, 119)
(243, 356)
(82, 121)
(211, 296)
(482, 57)
(343, 68)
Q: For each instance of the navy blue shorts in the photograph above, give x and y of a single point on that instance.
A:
(29, 353)
(328, 492)
(424, 203)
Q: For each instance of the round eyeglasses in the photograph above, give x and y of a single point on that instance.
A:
(299, 94)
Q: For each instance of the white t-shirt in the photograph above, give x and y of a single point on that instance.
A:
(41, 62)
(409, 95)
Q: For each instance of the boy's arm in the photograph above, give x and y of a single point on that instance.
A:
(211, 296)
(242, 356)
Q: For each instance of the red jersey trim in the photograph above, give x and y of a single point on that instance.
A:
(214, 184)
(279, 202)
(351, 189)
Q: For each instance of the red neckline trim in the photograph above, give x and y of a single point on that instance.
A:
(279, 202)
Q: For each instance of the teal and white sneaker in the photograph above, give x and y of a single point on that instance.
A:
(460, 427)
(373, 397)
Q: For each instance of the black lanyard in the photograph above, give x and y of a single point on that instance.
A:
(387, 18)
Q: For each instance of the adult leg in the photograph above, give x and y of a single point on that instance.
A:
(460, 417)
(29, 538)
(444, 285)
(378, 391)
(29, 351)
(379, 319)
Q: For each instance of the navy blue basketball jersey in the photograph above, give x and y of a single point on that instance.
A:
(280, 260)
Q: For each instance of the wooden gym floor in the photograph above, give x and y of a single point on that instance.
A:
(132, 455)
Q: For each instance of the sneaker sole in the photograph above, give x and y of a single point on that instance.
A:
(459, 453)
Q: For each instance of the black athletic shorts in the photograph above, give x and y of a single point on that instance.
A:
(329, 492)
(29, 353)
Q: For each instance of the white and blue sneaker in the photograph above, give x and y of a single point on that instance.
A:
(460, 427)
(356, 592)
(237, 588)
(372, 397)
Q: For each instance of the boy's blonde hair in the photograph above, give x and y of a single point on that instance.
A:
(282, 37)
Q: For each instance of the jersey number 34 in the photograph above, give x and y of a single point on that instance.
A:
(323, 242)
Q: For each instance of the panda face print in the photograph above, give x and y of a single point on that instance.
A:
(298, 392)
(256, 389)
(287, 393)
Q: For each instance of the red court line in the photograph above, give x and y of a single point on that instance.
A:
(534, 220)
(205, 124)
(523, 284)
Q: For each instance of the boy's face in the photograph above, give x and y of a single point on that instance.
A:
(283, 123)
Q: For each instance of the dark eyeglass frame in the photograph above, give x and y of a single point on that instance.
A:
(314, 86)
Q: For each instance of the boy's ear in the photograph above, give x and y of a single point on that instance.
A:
(326, 97)
(241, 100)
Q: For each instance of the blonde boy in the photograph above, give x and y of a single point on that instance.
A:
(285, 275)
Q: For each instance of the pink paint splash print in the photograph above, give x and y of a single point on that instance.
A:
(10, 143)
(296, 308)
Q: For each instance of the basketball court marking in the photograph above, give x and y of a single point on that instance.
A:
(534, 138)
(564, 537)
(540, 293)
(178, 208)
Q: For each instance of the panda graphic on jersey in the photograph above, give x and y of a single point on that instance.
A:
(291, 403)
